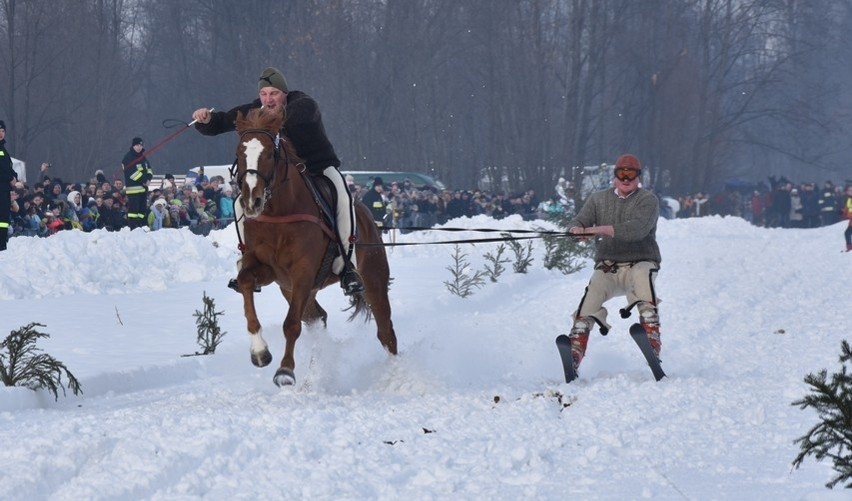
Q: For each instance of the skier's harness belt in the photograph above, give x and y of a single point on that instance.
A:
(608, 266)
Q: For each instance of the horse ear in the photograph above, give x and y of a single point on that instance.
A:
(240, 121)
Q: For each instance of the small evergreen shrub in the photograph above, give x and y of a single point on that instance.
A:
(523, 254)
(463, 282)
(22, 364)
(564, 253)
(831, 439)
(494, 263)
(209, 333)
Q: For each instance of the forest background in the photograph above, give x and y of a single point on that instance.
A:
(515, 92)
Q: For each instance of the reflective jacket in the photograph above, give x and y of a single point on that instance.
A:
(137, 173)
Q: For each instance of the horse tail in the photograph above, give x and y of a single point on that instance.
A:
(360, 307)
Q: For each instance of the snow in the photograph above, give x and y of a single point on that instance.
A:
(473, 407)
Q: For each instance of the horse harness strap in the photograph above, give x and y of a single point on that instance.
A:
(294, 218)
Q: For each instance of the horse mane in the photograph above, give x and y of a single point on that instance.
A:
(263, 119)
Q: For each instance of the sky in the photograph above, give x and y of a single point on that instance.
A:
(473, 407)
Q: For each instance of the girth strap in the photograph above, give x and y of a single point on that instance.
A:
(293, 218)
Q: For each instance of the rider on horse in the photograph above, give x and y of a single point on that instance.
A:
(303, 126)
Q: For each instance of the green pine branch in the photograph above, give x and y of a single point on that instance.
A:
(831, 438)
(207, 322)
(23, 364)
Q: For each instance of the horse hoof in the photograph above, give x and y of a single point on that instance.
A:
(284, 377)
(261, 359)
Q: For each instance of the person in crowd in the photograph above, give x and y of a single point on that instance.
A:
(52, 221)
(137, 174)
(15, 214)
(376, 202)
(829, 205)
(455, 206)
(795, 209)
(111, 216)
(757, 208)
(531, 202)
(226, 204)
(32, 222)
(94, 205)
(87, 221)
(623, 221)
(8, 178)
(158, 217)
(100, 177)
(75, 201)
(779, 215)
(810, 206)
(304, 127)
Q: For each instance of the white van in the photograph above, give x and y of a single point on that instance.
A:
(210, 171)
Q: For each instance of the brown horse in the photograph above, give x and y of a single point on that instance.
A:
(288, 242)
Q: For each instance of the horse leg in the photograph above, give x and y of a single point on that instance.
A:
(286, 375)
(374, 270)
(313, 311)
(259, 350)
(381, 309)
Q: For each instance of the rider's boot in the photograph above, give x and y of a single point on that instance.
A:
(350, 280)
(344, 214)
(579, 340)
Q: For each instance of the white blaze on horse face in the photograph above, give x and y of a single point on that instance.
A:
(253, 149)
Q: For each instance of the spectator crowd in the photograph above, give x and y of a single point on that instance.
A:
(779, 204)
(51, 205)
(202, 204)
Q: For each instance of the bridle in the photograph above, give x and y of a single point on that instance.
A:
(268, 180)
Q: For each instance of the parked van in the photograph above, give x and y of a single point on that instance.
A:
(210, 171)
(420, 181)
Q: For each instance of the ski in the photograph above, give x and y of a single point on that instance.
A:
(637, 332)
(563, 343)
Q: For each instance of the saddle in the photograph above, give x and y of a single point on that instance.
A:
(326, 198)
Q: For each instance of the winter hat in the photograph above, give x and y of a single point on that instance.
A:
(136, 140)
(628, 161)
(160, 201)
(377, 182)
(2, 125)
(271, 77)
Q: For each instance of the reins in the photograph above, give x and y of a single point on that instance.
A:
(270, 182)
(505, 238)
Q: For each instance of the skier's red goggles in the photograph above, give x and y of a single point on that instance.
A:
(625, 174)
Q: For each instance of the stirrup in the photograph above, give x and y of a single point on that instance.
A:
(350, 282)
(232, 284)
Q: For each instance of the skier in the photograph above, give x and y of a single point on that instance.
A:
(624, 222)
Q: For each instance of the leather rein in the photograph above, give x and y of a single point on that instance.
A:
(270, 182)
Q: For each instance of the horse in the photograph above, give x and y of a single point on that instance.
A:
(287, 241)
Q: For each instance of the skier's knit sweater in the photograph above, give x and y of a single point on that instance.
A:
(634, 220)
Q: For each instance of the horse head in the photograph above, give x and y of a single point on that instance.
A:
(258, 154)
